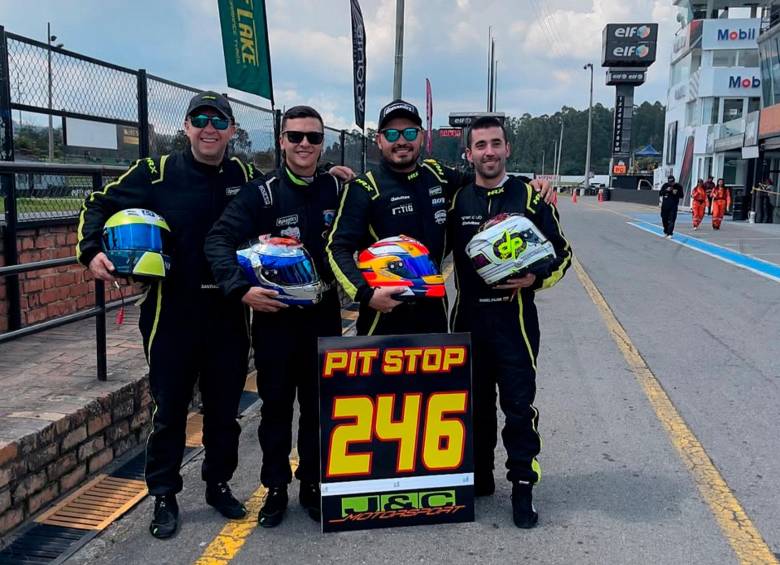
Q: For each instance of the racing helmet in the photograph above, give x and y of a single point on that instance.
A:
(282, 264)
(136, 241)
(403, 263)
(509, 245)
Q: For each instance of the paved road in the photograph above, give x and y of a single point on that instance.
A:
(615, 488)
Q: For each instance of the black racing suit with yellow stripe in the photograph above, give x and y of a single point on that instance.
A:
(385, 203)
(285, 342)
(504, 326)
(190, 331)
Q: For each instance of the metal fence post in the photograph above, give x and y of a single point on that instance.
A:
(343, 147)
(100, 305)
(143, 115)
(8, 185)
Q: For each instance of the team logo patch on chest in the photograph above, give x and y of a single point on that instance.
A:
(287, 220)
(402, 210)
(471, 220)
(327, 217)
(294, 232)
(440, 216)
(232, 190)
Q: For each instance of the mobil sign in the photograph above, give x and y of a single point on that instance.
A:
(730, 81)
(629, 45)
(731, 33)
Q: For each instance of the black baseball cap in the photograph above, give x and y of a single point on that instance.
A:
(399, 109)
(211, 99)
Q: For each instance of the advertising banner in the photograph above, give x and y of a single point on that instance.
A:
(359, 63)
(245, 44)
(450, 132)
(730, 33)
(629, 45)
(395, 431)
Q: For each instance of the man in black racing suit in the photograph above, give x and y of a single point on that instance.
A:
(400, 197)
(190, 331)
(502, 319)
(296, 201)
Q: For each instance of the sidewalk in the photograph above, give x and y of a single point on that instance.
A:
(58, 423)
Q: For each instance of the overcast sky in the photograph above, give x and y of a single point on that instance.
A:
(541, 46)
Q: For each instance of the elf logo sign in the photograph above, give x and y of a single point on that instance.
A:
(637, 51)
(627, 32)
(740, 82)
(737, 34)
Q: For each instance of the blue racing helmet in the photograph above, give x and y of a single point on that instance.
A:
(282, 264)
(136, 242)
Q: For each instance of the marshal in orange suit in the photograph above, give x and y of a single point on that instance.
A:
(698, 203)
(721, 200)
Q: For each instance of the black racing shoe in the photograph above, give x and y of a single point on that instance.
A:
(166, 516)
(309, 497)
(523, 512)
(484, 483)
(272, 512)
(220, 497)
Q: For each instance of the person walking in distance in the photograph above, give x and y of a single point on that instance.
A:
(721, 200)
(698, 203)
(671, 193)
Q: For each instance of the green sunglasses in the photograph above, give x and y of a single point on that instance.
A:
(201, 120)
(392, 135)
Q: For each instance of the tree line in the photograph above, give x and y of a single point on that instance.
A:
(533, 138)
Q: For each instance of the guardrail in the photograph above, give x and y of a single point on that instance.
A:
(12, 268)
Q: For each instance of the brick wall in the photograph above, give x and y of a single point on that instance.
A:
(50, 293)
(47, 464)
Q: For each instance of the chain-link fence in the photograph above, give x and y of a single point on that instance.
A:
(65, 107)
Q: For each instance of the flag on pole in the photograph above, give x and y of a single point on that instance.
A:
(245, 44)
(359, 63)
(428, 117)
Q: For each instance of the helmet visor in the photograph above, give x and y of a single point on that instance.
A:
(142, 237)
(413, 267)
(289, 270)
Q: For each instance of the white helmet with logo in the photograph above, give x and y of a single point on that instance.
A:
(509, 245)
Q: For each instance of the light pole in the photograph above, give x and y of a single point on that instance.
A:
(399, 48)
(590, 126)
(49, 39)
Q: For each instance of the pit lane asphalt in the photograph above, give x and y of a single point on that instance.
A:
(614, 489)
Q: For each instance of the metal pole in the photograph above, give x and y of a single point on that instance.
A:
(100, 305)
(495, 87)
(343, 136)
(560, 151)
(51, 132)
(489, 68)
(590, 127)
(8, 188)
(143, 114)
(542, 161)
(399, 48)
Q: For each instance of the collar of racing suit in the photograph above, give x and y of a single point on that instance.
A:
(204, 168)
(399, 175)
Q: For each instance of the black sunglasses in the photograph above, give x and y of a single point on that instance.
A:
(314, 137)
(392, 135)
(201, 120)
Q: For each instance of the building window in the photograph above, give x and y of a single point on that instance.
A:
(754, 104)
(732, 109)
(671, 143)
(748, 58)
(712, 110)
(681, 70)
(691, 114)
(774, 62)
(725, 58)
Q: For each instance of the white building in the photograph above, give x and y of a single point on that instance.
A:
(714, 83)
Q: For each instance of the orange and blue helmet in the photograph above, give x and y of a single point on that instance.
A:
(404, 263)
